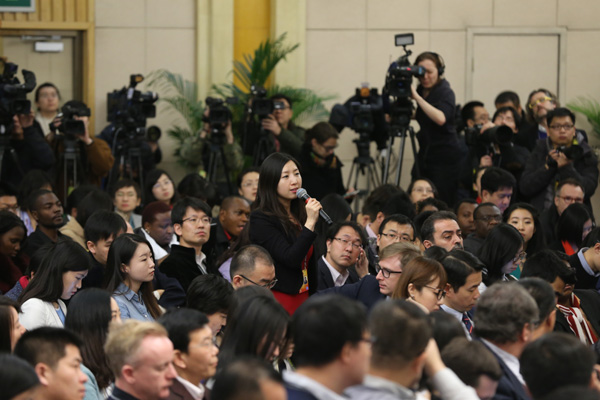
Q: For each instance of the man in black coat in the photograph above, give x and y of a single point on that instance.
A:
(564, 154)
(191, 223)
(586, 262)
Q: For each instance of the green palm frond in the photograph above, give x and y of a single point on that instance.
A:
(590, 108)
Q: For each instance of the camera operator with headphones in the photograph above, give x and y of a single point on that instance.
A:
(440, 152)
(563, 154)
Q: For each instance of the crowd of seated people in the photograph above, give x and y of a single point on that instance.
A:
(449, 288)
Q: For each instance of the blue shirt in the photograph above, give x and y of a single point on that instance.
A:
(131, 304)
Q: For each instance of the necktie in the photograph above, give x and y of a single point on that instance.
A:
(467, 321)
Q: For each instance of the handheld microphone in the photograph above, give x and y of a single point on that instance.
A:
(302, 194)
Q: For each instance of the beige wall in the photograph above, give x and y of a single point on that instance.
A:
(351, 41)
(140, 36)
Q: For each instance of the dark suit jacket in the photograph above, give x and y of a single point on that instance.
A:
(36, 240)
(366, 291)
(325, 278)
(590, 304)
(179, 392)
(288, 251)
(584, 280)
(509, 387)
(181, 265)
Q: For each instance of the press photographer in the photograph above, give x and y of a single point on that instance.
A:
(440, 152)
(268, 126)
(214, 149)
(82, 159)
(564, 154)
(492, 143)
(22, 144)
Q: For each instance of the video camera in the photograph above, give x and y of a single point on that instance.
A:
(398, 80)
(219, 116)
(262, 106)
(69, 126)
(13, 100)
(128, 109)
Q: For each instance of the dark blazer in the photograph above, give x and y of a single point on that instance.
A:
(590, 305)
(181, 265)
(217, 244)
(179, 392)
(325, 278)
(36, 240)
(173, 295)
(288, 251)
(509, 387)
(584, 280)
(366, 291)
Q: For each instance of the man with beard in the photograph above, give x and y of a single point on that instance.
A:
(441, 229)
(47, 211)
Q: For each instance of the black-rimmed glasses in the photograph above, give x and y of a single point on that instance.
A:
(385, 272)
(268, 285)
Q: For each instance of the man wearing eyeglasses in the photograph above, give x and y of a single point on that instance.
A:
(191, 223)
(486, 216)
(345, 261)
(564, 154)
(395, 228)
(372, 289)
(252, 265)
(567, 192)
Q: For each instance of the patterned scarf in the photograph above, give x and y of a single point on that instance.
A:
(577, 322)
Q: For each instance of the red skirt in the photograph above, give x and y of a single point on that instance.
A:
(290, 302)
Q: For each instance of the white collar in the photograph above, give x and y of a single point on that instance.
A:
(338, 278)
(307, 384)
(197, 392)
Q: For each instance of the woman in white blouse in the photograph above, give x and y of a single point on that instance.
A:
(58, 278)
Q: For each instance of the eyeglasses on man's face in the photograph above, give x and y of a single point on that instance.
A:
(385, 272)
(194, 220)
(268, 285)
(345, 242)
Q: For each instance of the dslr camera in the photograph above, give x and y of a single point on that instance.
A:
(13, 100)
(573, 153)
(483, 142)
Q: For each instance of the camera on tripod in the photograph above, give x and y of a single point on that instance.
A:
(400, 74)
(128, 110)
(219, 116)
(13, 100)
(261, 106)
(69, 126)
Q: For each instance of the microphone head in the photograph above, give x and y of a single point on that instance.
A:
(301, 193)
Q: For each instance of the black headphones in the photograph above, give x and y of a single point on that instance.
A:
(441, 62)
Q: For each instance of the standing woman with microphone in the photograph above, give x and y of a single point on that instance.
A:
(284, 225)
(440, 152)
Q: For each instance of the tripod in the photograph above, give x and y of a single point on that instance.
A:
(127, 150)
(262, 149)
(363, 164)
(71, 162)
(215, 157)
(401, 112)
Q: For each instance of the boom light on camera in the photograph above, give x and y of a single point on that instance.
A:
(128, 110)
(13, 102)
(398, 82)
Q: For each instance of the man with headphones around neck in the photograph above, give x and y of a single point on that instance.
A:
(440, 152)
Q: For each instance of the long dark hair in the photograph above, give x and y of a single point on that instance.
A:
(267, 199)
(570, 224)
(121, 252)
(500, 246)
(89, 316)
(7, 323)
(253, 328)
(537, 241)
(60, 257)
(151, 179)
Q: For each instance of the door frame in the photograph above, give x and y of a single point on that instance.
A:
(560, 33)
